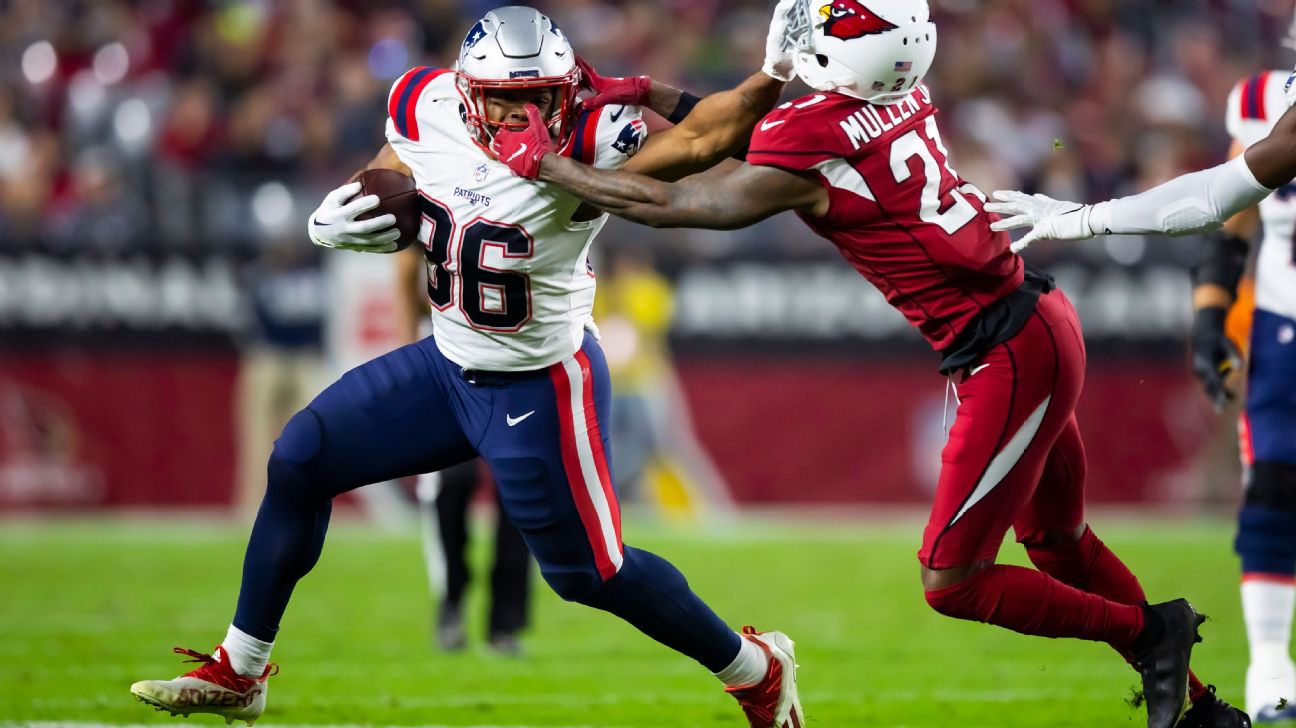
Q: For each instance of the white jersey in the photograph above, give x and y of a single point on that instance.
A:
(508, 270)
(1253, 107)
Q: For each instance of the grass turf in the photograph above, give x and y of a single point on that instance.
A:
(88, 607)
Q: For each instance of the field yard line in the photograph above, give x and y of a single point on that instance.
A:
(90, 724)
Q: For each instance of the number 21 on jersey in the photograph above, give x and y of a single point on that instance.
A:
(950, 211)
(490, 298)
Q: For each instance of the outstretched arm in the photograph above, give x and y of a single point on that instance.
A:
(1192, 203)
(721, 199)
(717, 127)
(706, 130)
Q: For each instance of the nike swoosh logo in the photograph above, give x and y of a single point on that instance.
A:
(767, 125)
(521, 150)
(613, 118)
(315, 221)
(512, 421)
(977, 369)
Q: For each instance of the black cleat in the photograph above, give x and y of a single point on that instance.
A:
(450, 635)
(1211, 712)
(505, 644)
(1164, 665)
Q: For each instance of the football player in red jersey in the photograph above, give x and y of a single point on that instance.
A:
(862, 163)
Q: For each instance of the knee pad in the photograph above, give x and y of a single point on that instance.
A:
(638, 568)
(302, 438)
(301, 441)
(958, 601)
(1272, 485)
(572, 584)
(1266, 540)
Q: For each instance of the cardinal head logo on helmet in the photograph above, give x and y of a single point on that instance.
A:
(847, 19)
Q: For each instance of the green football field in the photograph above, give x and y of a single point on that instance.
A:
(88, 607)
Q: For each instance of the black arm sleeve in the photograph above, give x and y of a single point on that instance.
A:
(1222, 262)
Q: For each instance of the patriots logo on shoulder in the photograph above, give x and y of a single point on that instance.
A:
(631, 139)
(849, 19)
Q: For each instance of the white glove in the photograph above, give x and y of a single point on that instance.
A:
(334, 224)
(1049, 219)
(780, 61)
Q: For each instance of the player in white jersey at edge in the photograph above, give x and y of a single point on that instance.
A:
(1222, 202)
(513, 372)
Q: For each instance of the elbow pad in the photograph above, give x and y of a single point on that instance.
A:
(1223, 260)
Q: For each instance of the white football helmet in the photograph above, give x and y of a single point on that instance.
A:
(516, 47)
(875, 50)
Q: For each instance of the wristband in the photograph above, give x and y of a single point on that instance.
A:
(686, 103)
(1222, 262)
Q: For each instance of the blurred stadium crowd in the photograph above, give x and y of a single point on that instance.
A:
(222, 122)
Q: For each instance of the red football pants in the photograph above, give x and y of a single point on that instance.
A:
(1014, 457)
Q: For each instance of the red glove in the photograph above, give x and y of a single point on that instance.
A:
(522, 150)
(632, 91)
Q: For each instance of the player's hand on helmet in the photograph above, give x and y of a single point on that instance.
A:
(1047, 218)
(780, 47)
(628, 91)
(523, 150)
(334, 223)
(1214, 356)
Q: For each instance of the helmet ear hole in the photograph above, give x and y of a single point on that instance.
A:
(822, 59)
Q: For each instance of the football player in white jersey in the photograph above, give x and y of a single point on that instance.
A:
(1266, 538)
(513, 371)
(1222, 201)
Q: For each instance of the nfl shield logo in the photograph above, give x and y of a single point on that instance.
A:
(479, 174)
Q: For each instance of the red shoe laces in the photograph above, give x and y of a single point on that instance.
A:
(758, 701)
(221, 673)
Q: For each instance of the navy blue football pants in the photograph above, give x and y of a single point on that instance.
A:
(1266, 538)
(542, 434)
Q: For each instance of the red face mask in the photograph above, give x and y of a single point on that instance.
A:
(476, 90)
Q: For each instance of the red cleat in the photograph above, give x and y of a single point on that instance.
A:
(212, 688)
(772, 702)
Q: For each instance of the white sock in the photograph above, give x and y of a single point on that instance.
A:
(247, 654)
(1267, 608)
(748, 668)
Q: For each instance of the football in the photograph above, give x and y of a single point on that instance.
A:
(397, 195)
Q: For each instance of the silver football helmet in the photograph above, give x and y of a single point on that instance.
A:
(516, 47)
